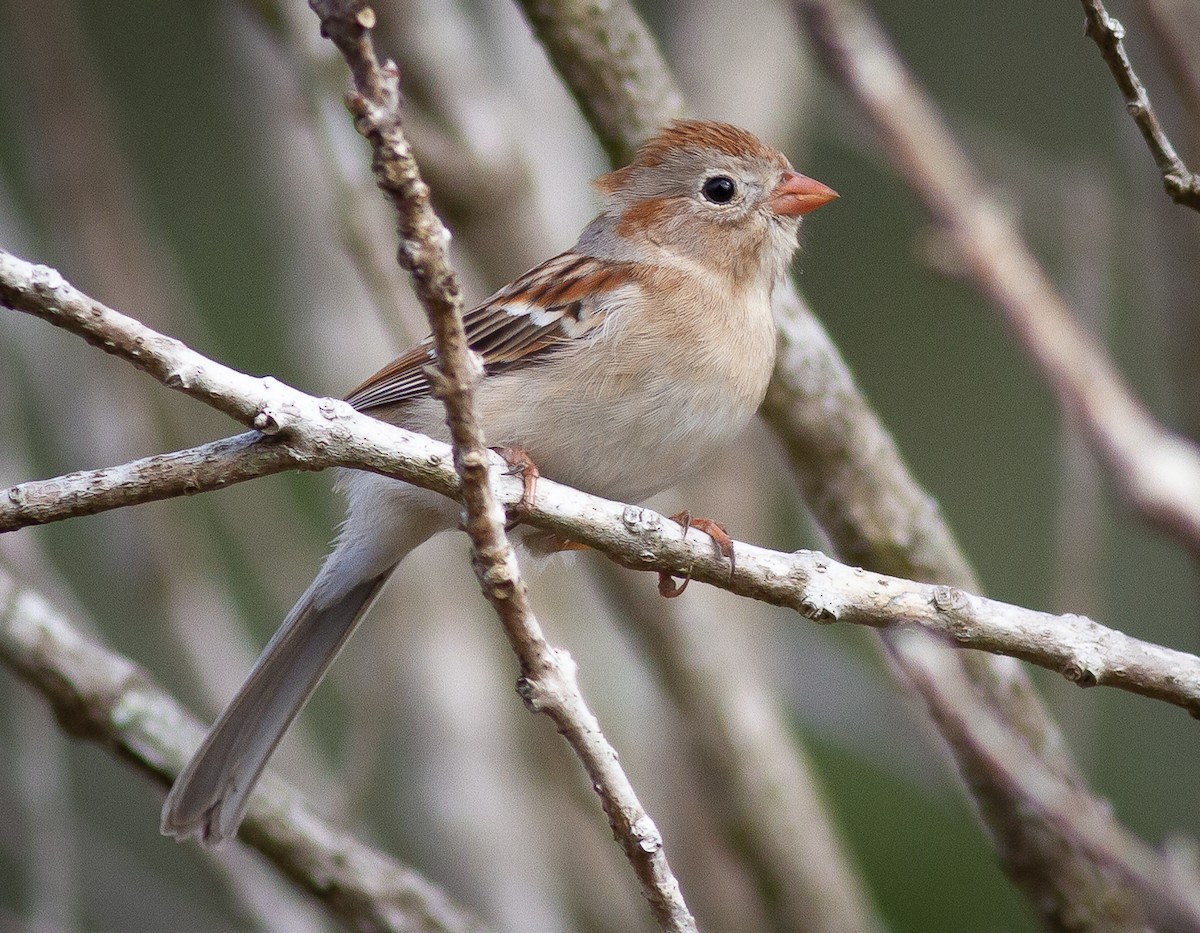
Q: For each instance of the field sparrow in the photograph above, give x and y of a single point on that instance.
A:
(618, 366)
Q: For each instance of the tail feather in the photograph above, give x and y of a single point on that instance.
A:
(210, 797)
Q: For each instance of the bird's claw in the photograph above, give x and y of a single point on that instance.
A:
(666, 582)
(522, 465)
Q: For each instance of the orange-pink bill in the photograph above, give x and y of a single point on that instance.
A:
(798, 194)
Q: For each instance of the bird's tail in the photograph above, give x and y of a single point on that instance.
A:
(210, 796)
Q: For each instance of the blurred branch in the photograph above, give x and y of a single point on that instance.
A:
(1157, 472)
(876, 514)
(289, 25)
(850, 471)
(549, 682)
(1180, 183)
(319, 433)
(1169, 22)
(102, 697)
(1170, 887)
(610, 62)
(766, 792)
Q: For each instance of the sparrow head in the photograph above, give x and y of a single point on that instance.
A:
(712, 193)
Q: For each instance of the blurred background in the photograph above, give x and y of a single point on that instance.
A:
(191, 165)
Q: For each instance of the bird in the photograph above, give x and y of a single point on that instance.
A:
(617, 367)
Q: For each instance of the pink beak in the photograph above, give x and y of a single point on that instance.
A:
(798, 194)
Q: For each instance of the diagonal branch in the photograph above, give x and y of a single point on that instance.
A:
(1180, 183)
(613, 68)
(104, 698)
(548, 682)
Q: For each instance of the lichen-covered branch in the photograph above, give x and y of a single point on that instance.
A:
(1179, 181)
(105, 698)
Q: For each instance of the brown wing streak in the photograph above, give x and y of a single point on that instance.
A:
(401, 380)
(563, 294)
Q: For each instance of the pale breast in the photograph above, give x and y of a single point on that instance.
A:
(643, 405)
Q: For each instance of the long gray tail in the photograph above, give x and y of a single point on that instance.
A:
(210, 797)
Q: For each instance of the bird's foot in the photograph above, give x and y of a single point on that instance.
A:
(666, 582)
(522, 465)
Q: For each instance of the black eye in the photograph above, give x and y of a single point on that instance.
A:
(720, 189)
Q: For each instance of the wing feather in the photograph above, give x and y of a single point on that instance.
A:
(565, 299)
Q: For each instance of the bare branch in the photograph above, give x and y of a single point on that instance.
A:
(548, 683)
(321, 433)
(819, 588)
(103, 697)
(1180, 183)
(150, 479)
(1156, 471)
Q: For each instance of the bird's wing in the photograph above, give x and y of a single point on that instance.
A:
(563, 300)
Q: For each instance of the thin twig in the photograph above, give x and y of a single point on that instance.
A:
(548, 681)
(1180, 183)
(103, 697)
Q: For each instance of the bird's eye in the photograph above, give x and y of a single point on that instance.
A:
(720, 189)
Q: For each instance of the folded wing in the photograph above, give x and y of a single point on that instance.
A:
(565, 299)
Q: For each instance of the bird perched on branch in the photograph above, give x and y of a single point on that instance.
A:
(617, 367)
